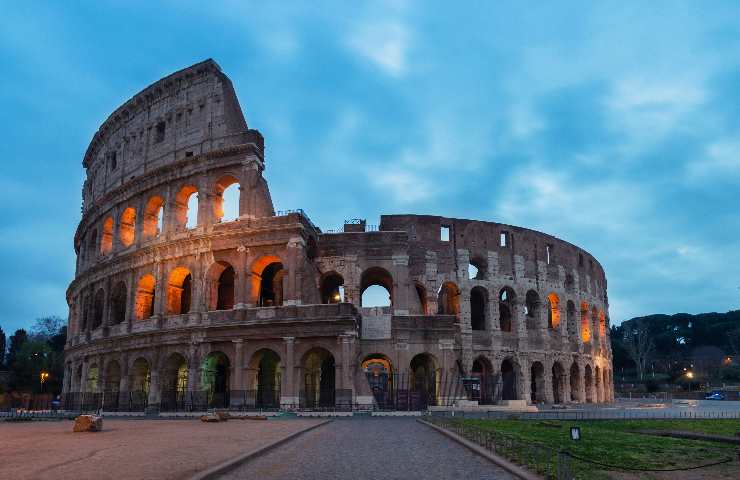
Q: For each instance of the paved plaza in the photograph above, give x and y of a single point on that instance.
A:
(131, 449)
(358, 449)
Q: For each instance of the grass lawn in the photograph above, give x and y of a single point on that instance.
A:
(616, 442)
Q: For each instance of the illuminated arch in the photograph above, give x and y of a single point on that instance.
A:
(145, 292)
(106, 239)
(153, 216)
(127, 227)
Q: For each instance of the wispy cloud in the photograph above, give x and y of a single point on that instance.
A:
(384, 44)
(721, 161)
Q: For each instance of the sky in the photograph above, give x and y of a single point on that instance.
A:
(612, 125)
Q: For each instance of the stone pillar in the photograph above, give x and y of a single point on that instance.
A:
(288, 395)
(160, 289)
(292, 290)
(242, 277)
(238, 364)
(549, 381)
(85, 367)
(401, 284)
(525, 385)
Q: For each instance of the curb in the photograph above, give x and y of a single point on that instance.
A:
(224, 467)
(510, 467)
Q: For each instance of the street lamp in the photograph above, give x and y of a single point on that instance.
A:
(43, 377)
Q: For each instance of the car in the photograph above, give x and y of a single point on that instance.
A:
(715, 395)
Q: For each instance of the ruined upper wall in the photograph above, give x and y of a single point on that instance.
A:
(479, 238)
(188, 113)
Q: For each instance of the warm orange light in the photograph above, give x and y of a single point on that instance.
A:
(690, 374)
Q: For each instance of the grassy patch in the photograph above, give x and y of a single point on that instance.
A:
(617, 443)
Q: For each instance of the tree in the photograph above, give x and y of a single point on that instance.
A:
(16, 341)
(47, 327)
(639, 345)
(2, 348)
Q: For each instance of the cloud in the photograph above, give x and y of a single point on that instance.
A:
(405, 185)
(384, 44)
(721, 161)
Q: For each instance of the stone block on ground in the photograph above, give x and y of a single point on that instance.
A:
(210, 417)
(88, 423)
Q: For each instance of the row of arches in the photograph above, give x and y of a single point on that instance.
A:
(182, 213)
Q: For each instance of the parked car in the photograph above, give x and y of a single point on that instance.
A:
(715, 395)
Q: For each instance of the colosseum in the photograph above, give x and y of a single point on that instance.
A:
(177, 306)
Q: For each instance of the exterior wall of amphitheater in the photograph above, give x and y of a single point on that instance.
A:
(155, 300)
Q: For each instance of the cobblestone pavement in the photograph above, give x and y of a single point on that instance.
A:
(370, 448)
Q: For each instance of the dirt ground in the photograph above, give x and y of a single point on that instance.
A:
(131, 449)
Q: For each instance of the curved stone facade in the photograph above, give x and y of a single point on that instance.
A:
(171, 303)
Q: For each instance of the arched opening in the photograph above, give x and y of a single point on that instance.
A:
(448, 299)
(106, 239)
(145, 297)
(98, 307)
(186, 207)
(113, 377)
(571, 320)
(506, 302)
(553, 311)
(318, 379)
(379, 374)
(267, 281)
(421, 295)
(537, 384)
(602, 325)
(140, 378)
(424, 379)
(558, 383)
(118, 299)
(532, 309)
(508, 380)
(174, 382)
(93, 377)
(112, 385)
(575, 383)
(585, 328)
(271, 285)
(127, 227)
(376, 288)
(267, 379)
(92, 240)
(589, 384)
(597, 382)
(153, 218)
(179, 291)
(221, 281)
(226, 201)
(332, 288)
(484, 372)
(478, 307)
(215, 379)
(477, 269)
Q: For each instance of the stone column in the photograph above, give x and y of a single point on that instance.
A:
(288, 395)
(123, 393)
(85, 366)
(242, 270)
(401, 284)
(525, 385)
(238, 364)
(160, 295)
(549, 381)
(292, 290)
(154, 386)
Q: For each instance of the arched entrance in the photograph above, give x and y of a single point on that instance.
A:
(267, 378)
(174, 378)
(332, 288)
(379, 374)
(589, 384)
(424, 377)
(575, 383)
(140, 377)
(508, 380)
(537, 383)
(558, 383)
(318, 379)
(112, 385)
(215, 382)
(506, 302)
(482, 369)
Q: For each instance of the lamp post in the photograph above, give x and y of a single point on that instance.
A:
(43, 377)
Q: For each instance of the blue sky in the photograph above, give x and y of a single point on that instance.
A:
(613, 125)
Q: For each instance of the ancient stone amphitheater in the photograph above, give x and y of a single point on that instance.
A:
(175, 307)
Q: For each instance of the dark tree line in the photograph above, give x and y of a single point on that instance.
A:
(29, 354)
(709, 343)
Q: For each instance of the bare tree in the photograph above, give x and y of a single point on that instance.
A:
(639, 345)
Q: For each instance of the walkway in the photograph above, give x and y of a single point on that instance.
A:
(369, 448)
